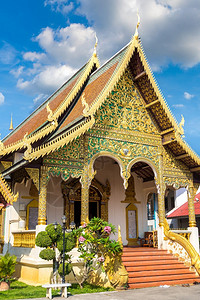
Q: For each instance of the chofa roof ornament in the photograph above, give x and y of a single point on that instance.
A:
(138, 24)
(95, 46)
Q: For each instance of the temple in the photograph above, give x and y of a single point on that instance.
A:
(104, 144)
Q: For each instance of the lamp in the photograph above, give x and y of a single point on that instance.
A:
(64, 219)
(72, 225)
(55, 225)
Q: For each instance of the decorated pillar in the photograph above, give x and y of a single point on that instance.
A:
(161, 190)
(44, 177)
(85, 185)
(192, 219)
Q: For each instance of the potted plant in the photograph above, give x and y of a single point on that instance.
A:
(7, 268)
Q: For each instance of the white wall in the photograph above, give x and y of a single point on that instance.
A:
(116, 209)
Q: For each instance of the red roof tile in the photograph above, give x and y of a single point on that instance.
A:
(182, 211)
(40, 117)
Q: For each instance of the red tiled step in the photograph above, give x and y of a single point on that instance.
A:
(150, 263)
(167, 282)
(161, 278)
(146, 257)
(175, 265)
(148, 267)
(146, 273)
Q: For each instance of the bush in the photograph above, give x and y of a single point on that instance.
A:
(7, 267)
(69, 242)
(68, 269)
(43, 240)
(54, 234)
(47, 254)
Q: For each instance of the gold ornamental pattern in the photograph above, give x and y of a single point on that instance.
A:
(125, 109)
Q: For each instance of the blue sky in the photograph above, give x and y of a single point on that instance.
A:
(43, 42)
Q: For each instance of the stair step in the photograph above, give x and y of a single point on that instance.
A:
(148, 267)
(149, 263)
(146, 257)
(145, 273)
(178, 265)
(165, 282)
(162, 278)
(146, 253)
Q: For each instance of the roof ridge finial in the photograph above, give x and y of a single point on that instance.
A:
(95, 46)
(138, 24)
(11, 123)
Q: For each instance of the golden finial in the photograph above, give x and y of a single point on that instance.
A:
(95, 46)
(181, 130)
(119, 236)
(138, 24)
(11, 123)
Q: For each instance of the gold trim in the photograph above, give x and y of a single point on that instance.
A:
(6, 191)
(62, 140)
(53, 117)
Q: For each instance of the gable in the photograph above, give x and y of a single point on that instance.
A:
(125, 109)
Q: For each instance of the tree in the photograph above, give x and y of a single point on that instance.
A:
(95, 246)
(52, 240)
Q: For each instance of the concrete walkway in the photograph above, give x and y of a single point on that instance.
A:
(156, 293)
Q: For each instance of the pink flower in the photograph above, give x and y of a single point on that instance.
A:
(107, 229)
(81, 239)
(101, 259)
(84, 225)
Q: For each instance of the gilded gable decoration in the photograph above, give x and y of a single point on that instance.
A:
(124, 109)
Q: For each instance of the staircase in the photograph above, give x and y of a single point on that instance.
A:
(148, 267)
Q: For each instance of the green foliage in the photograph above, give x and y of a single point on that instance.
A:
(20, 290)
(43, 240)
(54, 234)
(68, 269)
(69, 242)
(7, 266)
(47, 254)
(95, 244)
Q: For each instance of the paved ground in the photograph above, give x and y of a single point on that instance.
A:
(156, 293)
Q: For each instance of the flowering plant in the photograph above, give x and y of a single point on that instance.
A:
(95, 244)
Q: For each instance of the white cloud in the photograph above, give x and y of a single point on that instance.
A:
(188, 96)
(7, 54)
(17, 72)
(178, 105)
(33, 56)
(169, 30)
(47, 81)
(2, 98)
(63, 6)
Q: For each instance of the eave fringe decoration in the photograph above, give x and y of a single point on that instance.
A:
(6, 191)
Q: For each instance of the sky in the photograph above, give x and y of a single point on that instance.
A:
(44, 42)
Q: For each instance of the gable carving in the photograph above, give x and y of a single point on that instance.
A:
(170, 162)
(124, 109)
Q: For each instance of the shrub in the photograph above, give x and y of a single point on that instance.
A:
(47, 254)
(43, 240)
(7, 267)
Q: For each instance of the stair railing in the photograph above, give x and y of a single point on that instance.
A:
(186, 245)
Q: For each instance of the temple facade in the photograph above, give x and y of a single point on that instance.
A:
(105, 144)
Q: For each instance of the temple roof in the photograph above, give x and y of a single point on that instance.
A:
(183, 211)
(70, 111)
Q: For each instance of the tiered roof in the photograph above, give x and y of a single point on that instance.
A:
(70, 111)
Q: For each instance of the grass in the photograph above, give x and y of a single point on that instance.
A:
(19, 290)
